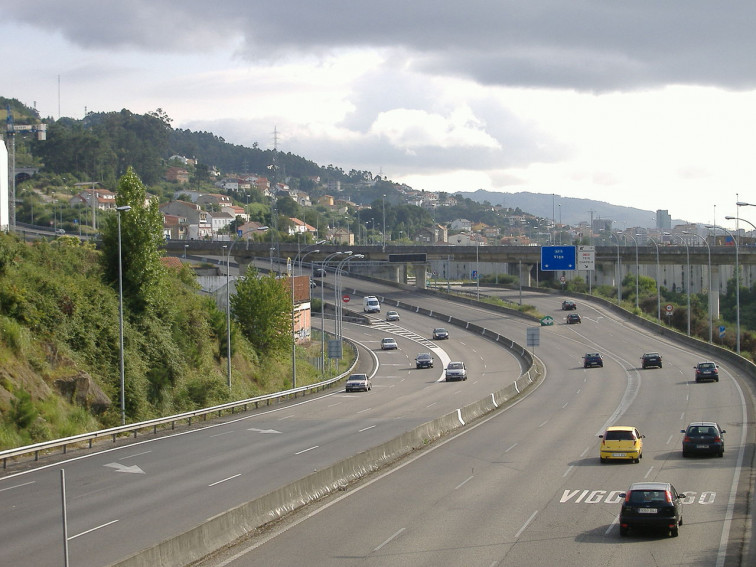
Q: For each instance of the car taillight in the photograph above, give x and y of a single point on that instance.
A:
(627, 497)
(687, 439)
(717, 439)
(669, 496)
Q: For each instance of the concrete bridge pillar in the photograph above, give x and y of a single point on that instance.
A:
(420, 275)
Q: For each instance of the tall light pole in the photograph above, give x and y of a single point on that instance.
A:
(337, 292)
(228, 298)
(477, 270)
(619, 271)
(687, 276)
(708, 250)
(737, 288)
(322, 309)
(121, 209)
(384, 223)
(637, 269)
(293, 326)
(658, 283)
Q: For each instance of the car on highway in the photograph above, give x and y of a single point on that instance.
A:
(706, 371)
(592, 359)
(703, 437)
(392, 316)
(440, 333)
(389, 344)
(568, 305)
(621, 442)
(319, 272)
(573, 318)
(456, 371)
(359, 383)
(60, 231)
(312, 283)
(650, 359)
(424, 360)
(651, 505)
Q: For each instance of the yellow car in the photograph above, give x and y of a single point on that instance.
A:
(621, 442)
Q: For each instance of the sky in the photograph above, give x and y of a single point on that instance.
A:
(644, 104)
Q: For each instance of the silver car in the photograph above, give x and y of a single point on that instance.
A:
(456, 371)
(359, 383)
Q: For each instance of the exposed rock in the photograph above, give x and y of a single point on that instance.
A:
(81, 390)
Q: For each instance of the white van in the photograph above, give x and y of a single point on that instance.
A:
(370, 304)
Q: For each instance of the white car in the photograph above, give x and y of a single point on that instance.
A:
(389, 344)
(392, 316)
(359, 383)
(456, 371)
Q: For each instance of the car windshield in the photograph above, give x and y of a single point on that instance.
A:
(455, 365)
(651, 355)
(706, 365)
(423, 356)
(439, 331)
(647, 496)
(619, 436)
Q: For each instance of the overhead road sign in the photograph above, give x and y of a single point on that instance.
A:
(555, 258)
(402, 258)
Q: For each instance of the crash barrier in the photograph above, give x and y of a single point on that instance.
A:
(132, 429)
(227, 527)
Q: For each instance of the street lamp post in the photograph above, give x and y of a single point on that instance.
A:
(687, 275)
(384, 223)
(228, 299)
(477, 270)
(185, 247)
(737, 288)
(637, 269)
(337, 292)
(708, 250)
(293, 326)
(658, 283)
(322, 309)
(122, 209)
(619, 271)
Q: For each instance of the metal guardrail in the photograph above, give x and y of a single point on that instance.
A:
(134, 428)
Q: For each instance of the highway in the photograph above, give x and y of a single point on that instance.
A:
(127, 498)
(525, 485)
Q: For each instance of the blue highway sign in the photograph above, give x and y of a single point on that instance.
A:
(554, 258)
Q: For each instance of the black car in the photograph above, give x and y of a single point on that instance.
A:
(568, 305)
(703, 437)
(440, 334)
(573, 318)
(706, 371)
(651, 359)
(652, 505)
(424, 360)
(319, 272)
(592, 359)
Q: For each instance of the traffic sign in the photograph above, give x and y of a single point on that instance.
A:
(345, 298)
(533, 336)
(547, 321)
(586, 259)
(721, 332)
(474, 274)
(554, 258)
(669, 308)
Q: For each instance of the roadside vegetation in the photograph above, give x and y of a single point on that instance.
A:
(59, 332)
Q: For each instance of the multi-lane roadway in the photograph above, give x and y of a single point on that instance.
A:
(525, 486)
(125, 499)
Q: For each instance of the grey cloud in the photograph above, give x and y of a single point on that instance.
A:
(586, 45)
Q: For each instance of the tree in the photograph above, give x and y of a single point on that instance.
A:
(262, 309)
(141, 240)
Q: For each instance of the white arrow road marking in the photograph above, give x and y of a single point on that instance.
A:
(134, 469)
(263, 430)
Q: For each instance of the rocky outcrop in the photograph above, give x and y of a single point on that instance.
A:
(81, 390)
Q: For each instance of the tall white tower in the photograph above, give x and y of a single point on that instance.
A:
(4, 197)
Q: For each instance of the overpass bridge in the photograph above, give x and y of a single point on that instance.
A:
(666, 264)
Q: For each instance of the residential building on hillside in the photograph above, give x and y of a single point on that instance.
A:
(177, 174)
(461, 224)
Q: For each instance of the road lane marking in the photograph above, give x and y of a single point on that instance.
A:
(221, 434)
(305, 450)
(522, 529)
(224, 480)
(585, 451)
(365, 428)
(543, 423)
(648, 473)
(461, 484)
(512, 447)
(615, 522)
(670, 439)
(18, 486)
(91, 530)
(565, 404)
(137, 454)
(567, 471)
(389, 539)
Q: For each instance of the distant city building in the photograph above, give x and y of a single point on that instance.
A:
(663, 220)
